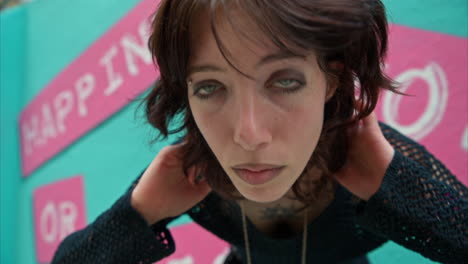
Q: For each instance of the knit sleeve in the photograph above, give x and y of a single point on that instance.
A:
(119, 235)
(420, 204)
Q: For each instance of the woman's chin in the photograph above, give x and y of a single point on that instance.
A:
(262, 199)
(262, 196)
(265, 193)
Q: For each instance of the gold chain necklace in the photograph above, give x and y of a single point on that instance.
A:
(246, 236)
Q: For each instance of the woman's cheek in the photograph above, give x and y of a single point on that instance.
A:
(211, 125)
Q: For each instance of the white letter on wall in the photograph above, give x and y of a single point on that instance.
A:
(68, 214)
(221, 257)
(114, 79)
(132, 48)
(84, 87)
(185, 260)
(48, 213)
(437, 84)
(29, 133)
(63, 105)
(464, 142)
(48, 125)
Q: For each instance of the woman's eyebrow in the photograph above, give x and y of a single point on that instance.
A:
(281, 55)
(205, 68)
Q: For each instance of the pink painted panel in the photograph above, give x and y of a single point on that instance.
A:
(114, 70)
(59, 210)
(196, 245)
(433, 68)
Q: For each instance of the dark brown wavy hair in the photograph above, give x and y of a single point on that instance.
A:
(351, 32)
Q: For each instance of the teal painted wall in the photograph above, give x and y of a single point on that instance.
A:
(12, 61)
(112, 155)
(449, 17)
(58, 32)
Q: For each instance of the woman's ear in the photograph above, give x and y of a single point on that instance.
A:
(333, 82)
(331, 88)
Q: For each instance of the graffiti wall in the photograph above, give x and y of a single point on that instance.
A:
(81, 140)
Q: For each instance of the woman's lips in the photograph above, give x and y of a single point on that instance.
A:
(258, 177)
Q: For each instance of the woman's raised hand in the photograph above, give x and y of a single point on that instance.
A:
(164, 190)
(369, 156)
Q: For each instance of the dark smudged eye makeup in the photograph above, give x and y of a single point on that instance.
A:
(206, 89)
(287, 81)
(284, 81)
(287, 85)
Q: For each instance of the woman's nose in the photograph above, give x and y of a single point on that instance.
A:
(251, 129)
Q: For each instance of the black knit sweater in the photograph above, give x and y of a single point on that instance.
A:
(420, 205)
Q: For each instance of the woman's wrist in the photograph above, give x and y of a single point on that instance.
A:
(138, 204)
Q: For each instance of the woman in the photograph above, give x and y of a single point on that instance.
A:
(280, 158)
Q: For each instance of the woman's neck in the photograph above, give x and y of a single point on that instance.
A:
(289, 206)
(285, 217)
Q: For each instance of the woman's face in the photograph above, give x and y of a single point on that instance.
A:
(264, 129)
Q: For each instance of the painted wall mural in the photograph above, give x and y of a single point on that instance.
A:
(106, 77)
(59, 210)
(117, 67)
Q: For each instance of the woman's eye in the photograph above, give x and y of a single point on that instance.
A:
(204, 91)
(288, 85)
